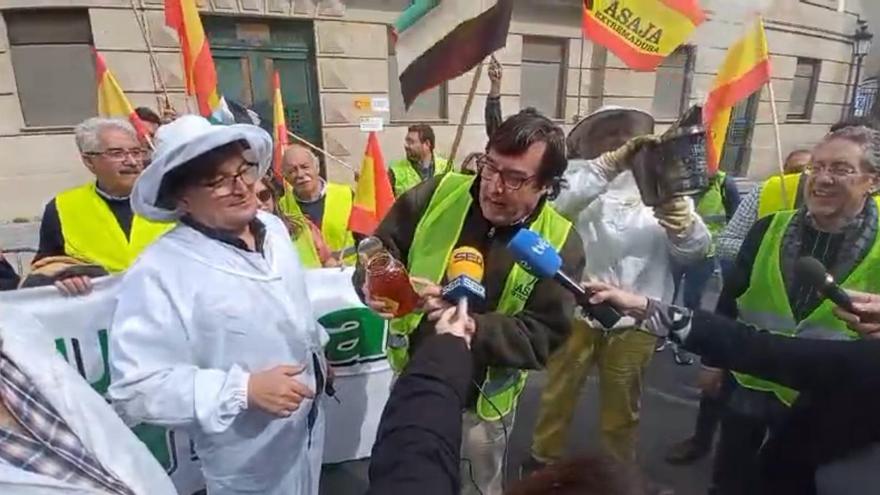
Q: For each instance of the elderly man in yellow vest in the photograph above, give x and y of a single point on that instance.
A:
(420, 164)
(522, 319)
(325, 204)
(838, 225)
(94, 222)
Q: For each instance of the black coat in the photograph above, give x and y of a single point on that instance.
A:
(418, 445)
(836, 414)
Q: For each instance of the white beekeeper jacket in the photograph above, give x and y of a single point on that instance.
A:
(624, 244)
(196, 316)
(86, 413)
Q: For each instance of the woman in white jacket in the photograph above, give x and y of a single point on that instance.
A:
(213, 331)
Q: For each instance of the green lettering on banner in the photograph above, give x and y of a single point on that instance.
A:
(357, 335)
(159, 440)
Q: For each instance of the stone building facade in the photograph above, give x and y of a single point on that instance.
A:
(342, 46)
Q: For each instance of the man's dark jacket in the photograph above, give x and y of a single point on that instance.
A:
(523, 341)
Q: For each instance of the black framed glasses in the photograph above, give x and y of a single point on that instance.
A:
(249, 174)
(510, 180)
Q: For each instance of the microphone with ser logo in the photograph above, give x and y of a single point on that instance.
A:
(465, 275)
(539, 258)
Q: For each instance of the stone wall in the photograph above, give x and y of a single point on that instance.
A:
(352, 57)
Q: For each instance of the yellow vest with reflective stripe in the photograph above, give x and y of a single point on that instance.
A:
(406, 177)
(334, 225)
(765, 303)
(434, 239)
(771, 194)
(92, 233)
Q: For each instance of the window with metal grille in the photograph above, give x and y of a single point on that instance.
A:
(803, 89)
(543, 75)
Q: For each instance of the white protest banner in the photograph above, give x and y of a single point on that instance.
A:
(80, 328)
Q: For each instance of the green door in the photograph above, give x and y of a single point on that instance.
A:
(247, 53)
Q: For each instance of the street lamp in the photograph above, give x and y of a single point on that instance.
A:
(861, 47)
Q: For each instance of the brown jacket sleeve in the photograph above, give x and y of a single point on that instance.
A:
(527, 339)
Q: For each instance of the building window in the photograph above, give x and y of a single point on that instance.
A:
(543, 75)
(428, 106)
(54, 65)
(672, 86)
(803, 91)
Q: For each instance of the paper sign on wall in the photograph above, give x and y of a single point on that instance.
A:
(372, 124)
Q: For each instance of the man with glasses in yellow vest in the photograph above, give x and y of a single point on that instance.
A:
(94, 223)
(327, 205)
(523, 319)
(838, 225)
(421, 162)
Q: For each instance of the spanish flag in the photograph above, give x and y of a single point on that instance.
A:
(641, 32)
(373, 196)
(112, 101)
(198, 66)
(745, 69)
(279, 127)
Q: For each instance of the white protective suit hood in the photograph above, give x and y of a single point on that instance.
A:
(184, 139)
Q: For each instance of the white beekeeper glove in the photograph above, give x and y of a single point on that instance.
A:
(675, 215)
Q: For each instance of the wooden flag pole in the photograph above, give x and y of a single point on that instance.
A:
(464, 113)
(158, 82)
(322, 151)
(776, 132)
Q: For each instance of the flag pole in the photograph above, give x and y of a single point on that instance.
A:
(464, 114)
(158, 82)
(776, 132)
(322, 151)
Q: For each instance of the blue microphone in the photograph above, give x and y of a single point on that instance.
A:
(539, 258)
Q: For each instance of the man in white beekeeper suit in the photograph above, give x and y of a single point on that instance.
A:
(213, 331)
(627, 244)
(58, 436)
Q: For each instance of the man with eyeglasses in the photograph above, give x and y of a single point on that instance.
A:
(94, 223)
(327, 205)
(629, 244)
(213, 330)
(522, 319)
(838, 225)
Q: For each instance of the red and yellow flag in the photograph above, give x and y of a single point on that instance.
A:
(745, 69)
(198, 66)
(279, 127)
(641, 32)
(112, 101)
(373, 196)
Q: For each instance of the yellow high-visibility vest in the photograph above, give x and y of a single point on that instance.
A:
(765, 303)
(338, 202)
(92, 233)
(406, 177)
(771, 199)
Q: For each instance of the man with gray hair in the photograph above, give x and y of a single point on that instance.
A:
(94, 223)
(327, 205)
(837, 225)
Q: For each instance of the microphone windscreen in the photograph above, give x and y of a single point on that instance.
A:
(535, 254)
(811, 271)
(465, 261)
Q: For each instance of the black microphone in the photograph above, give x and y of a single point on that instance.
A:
(540, 259)
(812, 272)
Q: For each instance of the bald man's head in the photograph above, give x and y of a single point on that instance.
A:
(300, 169)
